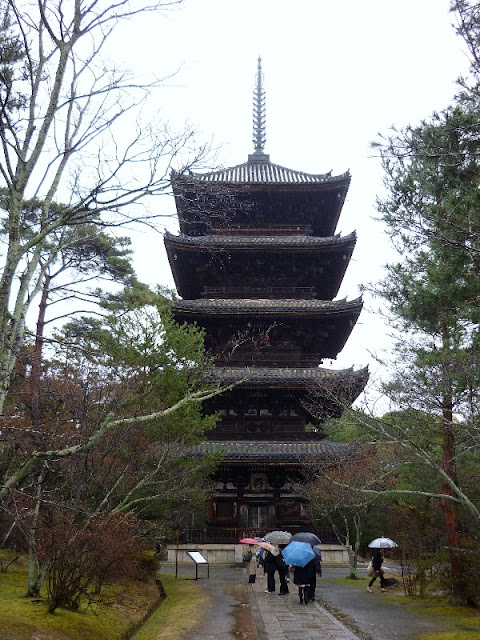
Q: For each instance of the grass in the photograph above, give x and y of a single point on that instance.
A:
(122, 608)
(119, 610)
(464, 622)
(180, 612)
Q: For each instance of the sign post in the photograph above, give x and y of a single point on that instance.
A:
(197, 558)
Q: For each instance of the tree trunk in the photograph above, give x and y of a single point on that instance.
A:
(451, 516)
(36, 373)
(36, 574)
(450, 508)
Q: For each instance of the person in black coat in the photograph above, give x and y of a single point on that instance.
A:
(305, 579)
(274, 561)
(377, 560)
(283, 573)
(317, 561)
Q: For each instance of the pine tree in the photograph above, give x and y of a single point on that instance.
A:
(432, 210)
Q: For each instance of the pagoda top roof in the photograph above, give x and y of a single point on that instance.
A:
(259, 170)
(246, 241)
(263, 450)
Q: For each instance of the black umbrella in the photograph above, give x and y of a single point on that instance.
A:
(306, 536)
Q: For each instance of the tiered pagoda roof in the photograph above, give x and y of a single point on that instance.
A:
(288, 378)
(258, 263)
(319, 392)
(267, 307)
(228, 205)
(276, 242)
(257, 248)
(215, 266)
(312, 329)
(268, 451)
(260, 171)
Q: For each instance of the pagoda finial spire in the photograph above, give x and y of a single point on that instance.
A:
(259, 117)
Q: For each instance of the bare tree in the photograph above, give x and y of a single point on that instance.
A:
(346, 511)
(120, 412)
(71, 132)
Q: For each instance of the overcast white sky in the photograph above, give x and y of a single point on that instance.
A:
(335, 73)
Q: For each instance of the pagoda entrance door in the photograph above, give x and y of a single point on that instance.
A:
(258, 516)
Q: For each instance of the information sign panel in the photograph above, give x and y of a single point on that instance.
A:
(198, 559)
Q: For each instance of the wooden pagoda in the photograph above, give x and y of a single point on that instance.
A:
(257, 263)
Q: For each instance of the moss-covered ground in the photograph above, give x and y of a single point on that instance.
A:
(180, 612)
(463, 623)
(117, 612)
(123, 607)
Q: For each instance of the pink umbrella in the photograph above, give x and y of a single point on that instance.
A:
(248, 541)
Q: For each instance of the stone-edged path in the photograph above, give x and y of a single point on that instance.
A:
(284, 618)
(241, 611)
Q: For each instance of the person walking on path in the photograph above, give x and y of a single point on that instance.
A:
(283, 572)
(377, 560)
(305, 579)
(251, 559)
(317, 562)
(274, 561)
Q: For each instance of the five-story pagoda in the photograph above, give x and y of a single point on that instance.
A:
(258, 265)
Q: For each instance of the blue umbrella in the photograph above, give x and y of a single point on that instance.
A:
(298, 553)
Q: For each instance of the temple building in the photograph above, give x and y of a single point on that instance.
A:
(258, 265)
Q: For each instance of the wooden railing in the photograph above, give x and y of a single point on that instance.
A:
(270, 293)
(272, 358)
(280, 230)
(232, 535)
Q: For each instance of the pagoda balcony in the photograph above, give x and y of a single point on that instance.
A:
(270, 293)
(229, 533)
(261, 427)
(229, 435)
(270, 359)
(270, 230)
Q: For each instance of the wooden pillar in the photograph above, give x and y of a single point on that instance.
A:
(243, 516)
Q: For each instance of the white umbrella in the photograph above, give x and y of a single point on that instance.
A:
(382, 543)
(278, 537)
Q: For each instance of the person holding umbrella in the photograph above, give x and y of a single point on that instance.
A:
(251, 559)
(377, 560)
(318, 572)
(312, 540)
(305, 579)
(306, 564)
(274, 561)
